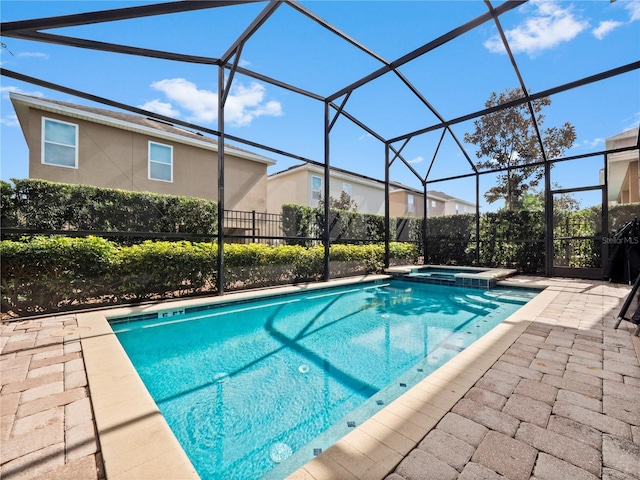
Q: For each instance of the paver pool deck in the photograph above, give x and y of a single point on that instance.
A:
(551, 393)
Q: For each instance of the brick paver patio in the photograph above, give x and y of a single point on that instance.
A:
(563, 402)
(46, 424)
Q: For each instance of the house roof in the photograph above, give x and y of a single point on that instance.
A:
(631, 133)
(395, 186)
(340, 171)
(127, 121)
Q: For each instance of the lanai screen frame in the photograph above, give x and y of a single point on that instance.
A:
(35, 30)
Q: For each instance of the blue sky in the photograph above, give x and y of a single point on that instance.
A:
(554, 42)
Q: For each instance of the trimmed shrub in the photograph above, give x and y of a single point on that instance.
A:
(451, 240)
(619, 215)
(42, 274)
(164, 269)
(297, 221)
(47, 274)
(40, 204)
(8, 216)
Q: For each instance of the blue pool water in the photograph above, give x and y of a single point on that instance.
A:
(256, 389)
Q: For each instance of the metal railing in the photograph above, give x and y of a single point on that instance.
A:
(252, 227)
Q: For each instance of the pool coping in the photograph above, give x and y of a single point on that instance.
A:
(137, 443)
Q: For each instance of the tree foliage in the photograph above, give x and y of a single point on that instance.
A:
(344, 202)
(507, 138)
(534, 202)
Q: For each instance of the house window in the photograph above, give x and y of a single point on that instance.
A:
(410, 207)
(160, 162)
(346, 188)
(457, 208)
(316, 189)
(59, 143)
(433, 203)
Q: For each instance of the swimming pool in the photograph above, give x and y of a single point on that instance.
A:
(257, 388)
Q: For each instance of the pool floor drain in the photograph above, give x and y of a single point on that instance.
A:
(303, 368)
(280, 452)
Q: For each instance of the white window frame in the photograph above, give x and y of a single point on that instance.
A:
(433, 204)
(150, 161)
(315, 201)
(410, 203)
(44, 143)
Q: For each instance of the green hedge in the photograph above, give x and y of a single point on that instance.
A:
(513, 240)
(346, 226)
(451, 240)
(7, 205)
(619, 215)
(40, 204)
(297, 221)
(47, 274)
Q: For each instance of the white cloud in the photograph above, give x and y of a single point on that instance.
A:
(163, 108)
(365, 136)
(593, 143)
(4, 91)
(202, 105)
(244, 103)
(10, 121)
(634, 122)
(605, 27)
(548, 27)
(634, 10)
(418, 159)
(44, 56)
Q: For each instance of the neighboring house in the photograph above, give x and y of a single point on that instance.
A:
(439, 203)
(623, 185)
(76, 144)
(304, 185)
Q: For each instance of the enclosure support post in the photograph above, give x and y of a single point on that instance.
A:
(605, 214)
(326, 275)
(548, 215)
(425, 231)
(220, 262)
(386, 206)
(477, 219)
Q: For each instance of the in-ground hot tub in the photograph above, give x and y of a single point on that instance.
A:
(478, 277)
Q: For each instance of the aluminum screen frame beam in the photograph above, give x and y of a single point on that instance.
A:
(447, 37)
(545, 93)
(9, 29)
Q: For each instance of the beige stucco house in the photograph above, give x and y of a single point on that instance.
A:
(76, 144)
(623, 186)
(304, 185)
(439, 203)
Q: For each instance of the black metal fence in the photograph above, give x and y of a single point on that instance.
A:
(252, 227)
